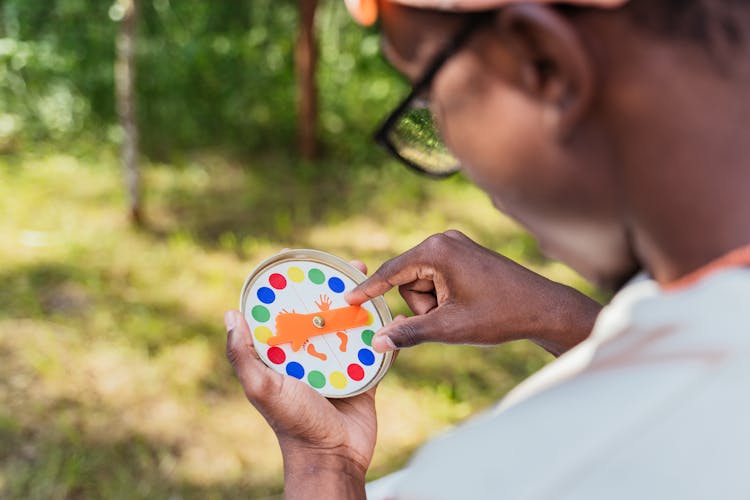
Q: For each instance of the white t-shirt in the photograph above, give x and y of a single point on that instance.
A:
(654, 405)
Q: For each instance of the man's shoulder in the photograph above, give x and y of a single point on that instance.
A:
(625, 403)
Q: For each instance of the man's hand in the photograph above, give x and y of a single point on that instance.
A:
(327, 445)
(464, 293)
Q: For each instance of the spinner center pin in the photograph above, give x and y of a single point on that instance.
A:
(302, 326)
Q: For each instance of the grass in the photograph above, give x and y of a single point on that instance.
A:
(113, 381)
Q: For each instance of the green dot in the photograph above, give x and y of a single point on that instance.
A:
(316, 379)
(367, 337)
(261, 314)
(316, 276)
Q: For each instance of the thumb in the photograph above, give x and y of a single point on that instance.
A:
(408, 332)
(258, 381)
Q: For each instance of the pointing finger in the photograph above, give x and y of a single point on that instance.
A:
(414, 265)
(398, 271)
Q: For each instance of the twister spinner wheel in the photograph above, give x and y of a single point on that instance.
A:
(302, 326)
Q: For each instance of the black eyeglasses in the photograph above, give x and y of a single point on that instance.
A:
(410, 132)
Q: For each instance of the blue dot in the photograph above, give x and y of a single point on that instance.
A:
(266, 295)
(336, 285)
(295, 370)
(366, 357)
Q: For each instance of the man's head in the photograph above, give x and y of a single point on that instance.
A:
(575, 118)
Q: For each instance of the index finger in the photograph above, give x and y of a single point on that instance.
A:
(400, 270)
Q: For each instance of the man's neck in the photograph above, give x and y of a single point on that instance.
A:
(691, 206)
(683, 146)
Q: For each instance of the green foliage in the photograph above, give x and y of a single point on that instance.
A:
(210, 75)
(43, 48)
(358, 88)
(217, 74)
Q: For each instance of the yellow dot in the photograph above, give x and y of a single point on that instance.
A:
(370, 319)
(338, 380)
(295, 274)
(262, 334)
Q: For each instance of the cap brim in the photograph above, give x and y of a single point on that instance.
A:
(365, 12)
(469, 5)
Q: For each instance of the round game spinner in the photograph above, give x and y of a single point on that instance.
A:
(302, 326)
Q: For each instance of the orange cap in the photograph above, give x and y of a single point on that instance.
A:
(365, 12)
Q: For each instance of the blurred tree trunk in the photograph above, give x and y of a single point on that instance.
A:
(125, 69)
(307, 92)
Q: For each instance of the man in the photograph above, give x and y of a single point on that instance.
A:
(616, 132)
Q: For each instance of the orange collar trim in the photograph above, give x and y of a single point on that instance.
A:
(736, 258)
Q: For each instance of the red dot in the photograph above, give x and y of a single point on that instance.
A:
(355, 372)
(276, 355)
(277, 281)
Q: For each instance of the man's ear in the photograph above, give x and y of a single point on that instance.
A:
(555, 66)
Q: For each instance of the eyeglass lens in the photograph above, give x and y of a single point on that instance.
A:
(416, 138)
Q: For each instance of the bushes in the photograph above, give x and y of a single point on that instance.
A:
(210, 75)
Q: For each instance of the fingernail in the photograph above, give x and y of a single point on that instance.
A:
(383, 343)
(348, 297)
(230, 321)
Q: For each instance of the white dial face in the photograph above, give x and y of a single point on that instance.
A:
(302, 327)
